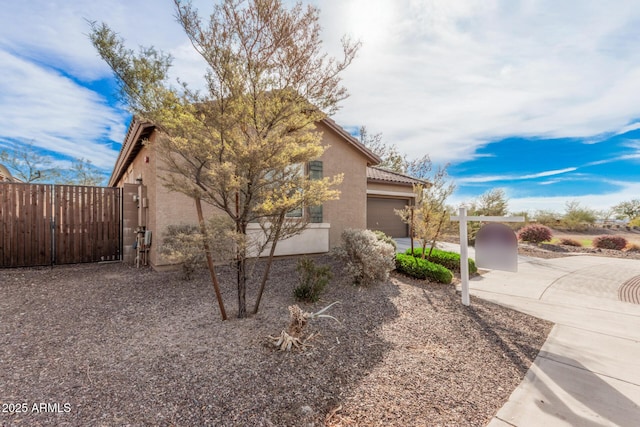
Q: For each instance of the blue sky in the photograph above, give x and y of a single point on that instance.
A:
(539, 98)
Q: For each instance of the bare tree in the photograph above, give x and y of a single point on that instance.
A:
(241, 145)
(389, 155)
(28, 165)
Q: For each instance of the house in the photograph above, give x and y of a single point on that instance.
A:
(368, 195)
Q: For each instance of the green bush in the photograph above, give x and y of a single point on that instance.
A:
(422, 269)
(312, 280)
(450, 260)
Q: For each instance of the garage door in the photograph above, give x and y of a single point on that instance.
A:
(381, 216)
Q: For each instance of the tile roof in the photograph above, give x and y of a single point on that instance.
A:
(384, 175)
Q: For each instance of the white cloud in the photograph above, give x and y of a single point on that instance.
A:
(58, 115)
(493, 178)
(451, 76)
(601, 202)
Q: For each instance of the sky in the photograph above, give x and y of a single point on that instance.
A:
(539, 98)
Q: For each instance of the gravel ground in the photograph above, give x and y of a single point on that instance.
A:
(546, 250)
(107, 344)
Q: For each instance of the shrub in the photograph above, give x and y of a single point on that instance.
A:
(387, 239)
(312, 280)
(183, 244)
(450, 260)
(535, 233)
(632, 247)
(610, 242)
(422, 269)
(570, 242)
(367, 259)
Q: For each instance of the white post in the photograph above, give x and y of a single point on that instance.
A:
(464, 256)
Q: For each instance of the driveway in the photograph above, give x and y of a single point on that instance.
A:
(588, 371)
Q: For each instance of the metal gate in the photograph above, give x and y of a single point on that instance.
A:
(43, 224)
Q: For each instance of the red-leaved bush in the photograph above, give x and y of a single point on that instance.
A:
(610, 242)
(570, 242)
(535, 233)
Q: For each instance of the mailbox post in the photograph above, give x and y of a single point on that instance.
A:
(464, 249)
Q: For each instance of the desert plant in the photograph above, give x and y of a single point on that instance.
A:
(312, 280)
(422, 269)
(535, 233)
(576, 217)
(570, 242)
(610, 242)
(183, 244)
(632, 247)
(367, 259)
(380, 235)
(449, 260)
(547, 217)
(294, 337)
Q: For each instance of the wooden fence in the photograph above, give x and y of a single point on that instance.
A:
(42, 224)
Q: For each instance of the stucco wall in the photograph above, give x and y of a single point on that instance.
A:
(163, 207)
(351, 210)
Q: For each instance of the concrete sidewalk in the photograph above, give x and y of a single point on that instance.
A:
(588, 371)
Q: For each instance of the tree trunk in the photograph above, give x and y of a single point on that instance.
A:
(241, 266)
(267, 268)
(207, 249)
(435, 236)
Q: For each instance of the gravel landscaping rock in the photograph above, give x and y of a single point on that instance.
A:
(107, 344)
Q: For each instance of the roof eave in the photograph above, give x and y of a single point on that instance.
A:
(136, 128)
(372, 158)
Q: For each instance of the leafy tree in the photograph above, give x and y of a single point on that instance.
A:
(236, 145)
(630, 209)
(429, 216)
(26, 164)
(576, 217)
(492, 203)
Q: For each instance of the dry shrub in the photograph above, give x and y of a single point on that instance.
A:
(610, 242)
(632, 247)
(367, 259)
(570, 242)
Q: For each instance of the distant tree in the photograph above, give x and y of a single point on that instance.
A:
(241, 144)
(629, 210)
(390, 156)
(494, 202)
(28, 165)
(577, 217)
(547, 217)
(83, 172)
